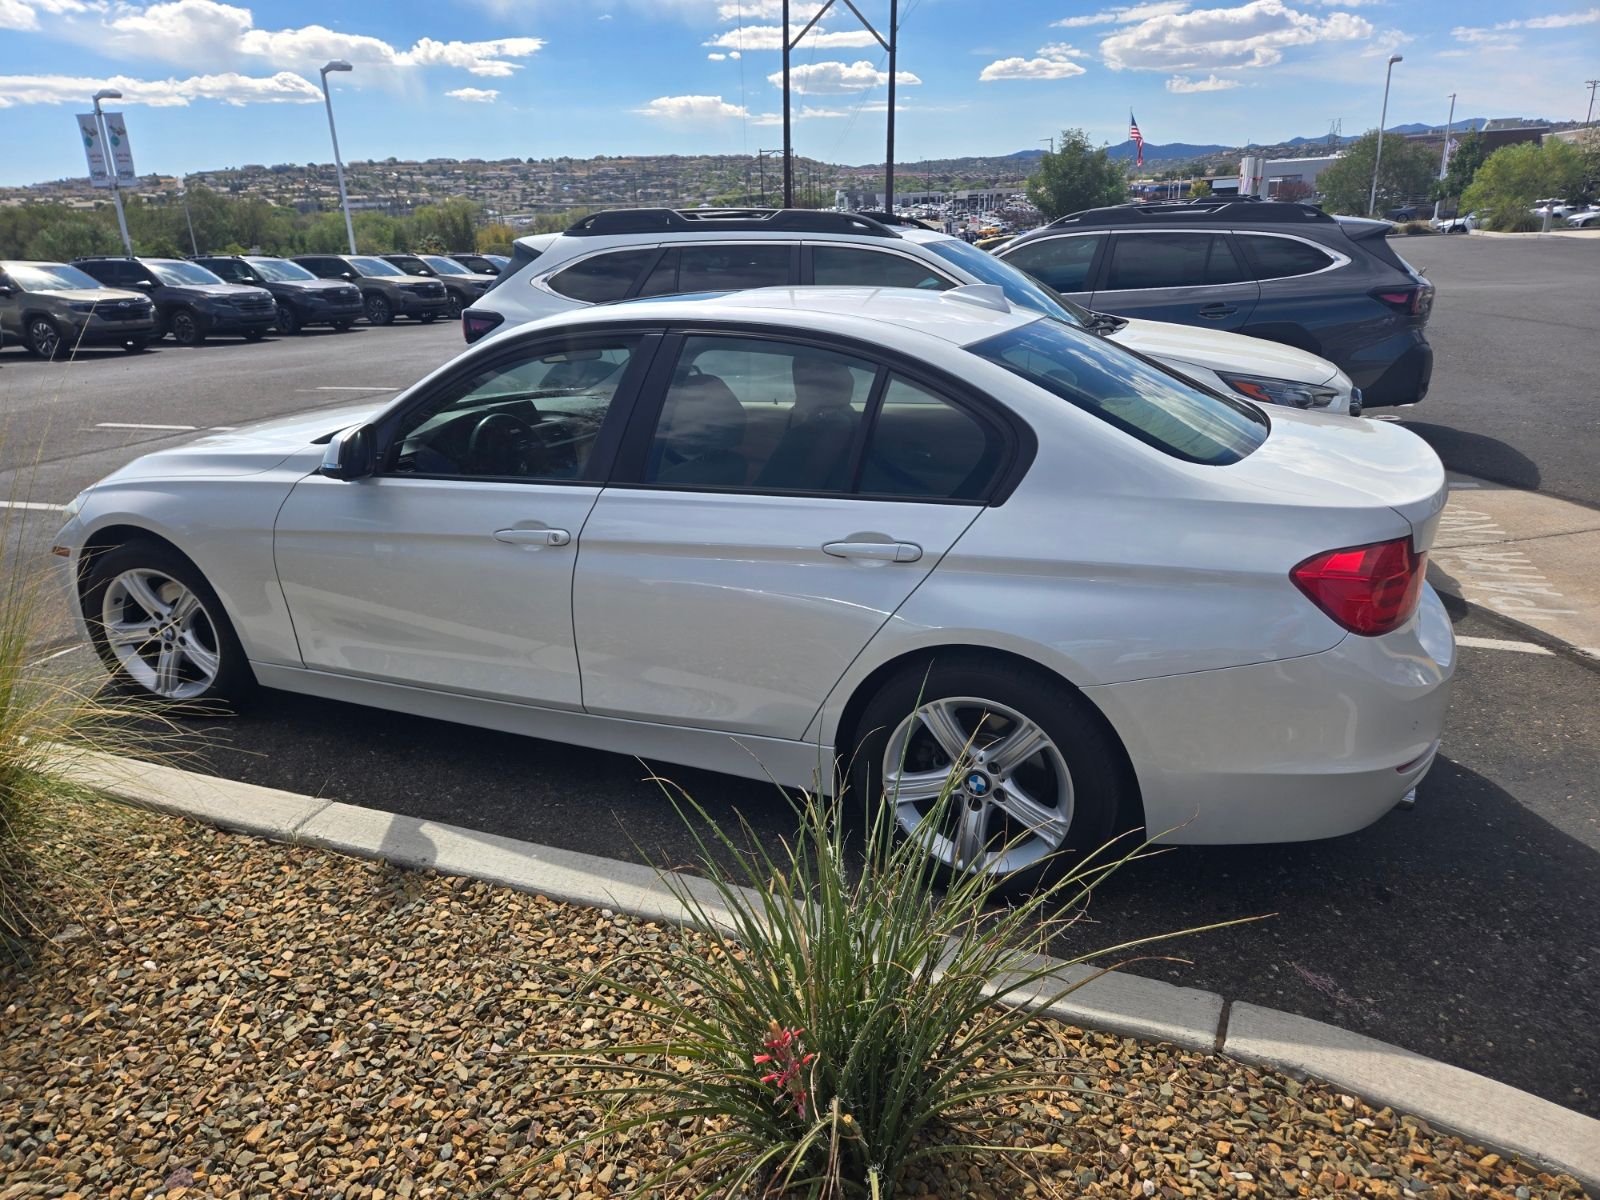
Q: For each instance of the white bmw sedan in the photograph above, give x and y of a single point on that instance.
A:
(925, 535)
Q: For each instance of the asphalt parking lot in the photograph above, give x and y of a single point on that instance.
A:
(1466, 929)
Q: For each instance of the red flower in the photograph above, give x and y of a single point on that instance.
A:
(788, 1054)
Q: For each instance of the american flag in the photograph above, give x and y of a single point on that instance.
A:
(1138, 138)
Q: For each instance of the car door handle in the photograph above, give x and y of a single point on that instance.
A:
(905, 552)
(1213, 311)
(533, 537)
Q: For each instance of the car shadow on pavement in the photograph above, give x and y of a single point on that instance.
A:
(1478, 455)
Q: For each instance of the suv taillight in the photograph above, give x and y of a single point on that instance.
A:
(475, 324)
(1369, 590)
(1413, 301)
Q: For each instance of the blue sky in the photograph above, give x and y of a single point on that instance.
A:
(211, 84)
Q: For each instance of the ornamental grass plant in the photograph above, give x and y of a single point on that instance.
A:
(842, 1029)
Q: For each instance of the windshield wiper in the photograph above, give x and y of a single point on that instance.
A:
(1099, 322)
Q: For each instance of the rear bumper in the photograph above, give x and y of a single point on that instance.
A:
(1403, 381)
(1305, 748)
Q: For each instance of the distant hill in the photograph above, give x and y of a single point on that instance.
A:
(1163, 150)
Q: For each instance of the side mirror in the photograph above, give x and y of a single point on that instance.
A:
(350, 454)
(350, 275)
(143, 285)
(7, 289)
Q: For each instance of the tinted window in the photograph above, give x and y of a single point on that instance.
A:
(848, 266)
(1159, 409)
(327, 268)
(732, 268)
(1018, 287)
(230, 270)
(1277, 258)
(280, 270)
(115, 274)
(535, 417)
(1163, 260)
(179, 274)
(1062, 263)
(770, 416)
(922, 445)
(367, 265)
(603, 278)
(663, 277)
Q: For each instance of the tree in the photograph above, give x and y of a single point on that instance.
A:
(1075, 177)
(1200, 189)
(1464, 162)
(1513, 177)
(1406, 173)
(1292, 191)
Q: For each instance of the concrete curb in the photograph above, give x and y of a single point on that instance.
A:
(1449, 1098)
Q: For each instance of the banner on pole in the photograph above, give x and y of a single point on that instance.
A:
(121, 152)
(89, 131)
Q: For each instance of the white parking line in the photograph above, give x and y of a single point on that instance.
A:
(1478, 643)
(39, 662)
(136, 425)
(345, 387)
(1457, 483)
(30, 506)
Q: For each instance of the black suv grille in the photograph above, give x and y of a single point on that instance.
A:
(427, 289)
(123, 311)
(256, 306)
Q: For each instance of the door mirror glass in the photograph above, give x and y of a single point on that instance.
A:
(7, 289)
(349, 454)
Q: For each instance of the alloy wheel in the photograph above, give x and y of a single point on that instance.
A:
(378, 310)
(287, 321)
(44, 339)
(185, 329)
(979, 785)
(161, 634)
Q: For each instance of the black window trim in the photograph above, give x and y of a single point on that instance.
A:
(1098, 265)
(602, 460)
(1339, 259)
(1018, 449)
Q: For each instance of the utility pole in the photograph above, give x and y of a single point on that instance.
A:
(761, 158)
(888, 158)
(1444, 159)
(788, 140)
(1051, 141)
(1591, 84)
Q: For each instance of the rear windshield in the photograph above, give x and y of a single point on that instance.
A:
(1123, 390)
(1019, 288)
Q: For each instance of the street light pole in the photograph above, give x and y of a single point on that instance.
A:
(338, 64)
(1377, 159)
(1444, 158)
(105, 145)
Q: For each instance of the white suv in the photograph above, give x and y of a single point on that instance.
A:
(629, 254)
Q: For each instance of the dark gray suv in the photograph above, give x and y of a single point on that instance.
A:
(1288, 273)
(192, 304)
(461, 286)
(387, 292)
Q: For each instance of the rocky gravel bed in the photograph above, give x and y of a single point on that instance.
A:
(228, 1017)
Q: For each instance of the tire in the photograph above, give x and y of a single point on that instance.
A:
(185, 327)
(44, 339)
(136, 345)
(288, 322)
(378, 310)
(452, 307)
(207, 663)
(1071, 790)
(428, 318)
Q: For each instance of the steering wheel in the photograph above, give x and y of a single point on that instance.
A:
(501, 444)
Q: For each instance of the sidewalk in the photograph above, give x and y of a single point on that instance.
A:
(1528, 557)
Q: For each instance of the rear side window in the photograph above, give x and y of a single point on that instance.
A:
(922, 446)
(1165, 260)
(603, 278)
(1127, 393)
(848, 266)
(1279, 258)
(1061, 263)
(732, 268)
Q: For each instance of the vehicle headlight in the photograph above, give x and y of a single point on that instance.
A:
(75, 506)
(1279, 391)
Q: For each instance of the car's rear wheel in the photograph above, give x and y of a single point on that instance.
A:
(452, 307)
(44, 339)
(993, 770)
(159, 627)
(378, 310)
(287, 321)
(185, 328)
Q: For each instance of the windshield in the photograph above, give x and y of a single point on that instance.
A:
(374, 266)
(1123, 390)
(1019, 288)
(176, 274)
(279, 270)
(48, 277)
(501, 260)
(443, 265)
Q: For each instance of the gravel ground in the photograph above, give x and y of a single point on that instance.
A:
(228, 1017)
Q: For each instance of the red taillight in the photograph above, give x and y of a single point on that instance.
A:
(475, 324)
(1411, 301)
(1370, 590)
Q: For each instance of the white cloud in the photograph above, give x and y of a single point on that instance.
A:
(766, 10)
(770, 37)
(1486, 39)
(805, 112)
(692, 108)
(1183, 85)
(1061, 50)
(1385, 42)
(24, 14)
(1555, 20)
(1251, 35)
(717, 57)
(1124, 15)
(1030, 68)
(835, 78)
(475, 95)
(229, 88)
(734, 54)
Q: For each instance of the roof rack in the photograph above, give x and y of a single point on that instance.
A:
(893, 219)
(727, 220)
(1251, 209)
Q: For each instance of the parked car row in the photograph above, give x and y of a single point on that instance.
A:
(51, 308)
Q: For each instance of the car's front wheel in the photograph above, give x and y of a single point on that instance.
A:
(44, 339)
(159, 627)
(991, 769)
(185, 327)
(452, 307)
(287, 322)
(378, 310)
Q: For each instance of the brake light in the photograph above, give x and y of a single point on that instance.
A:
(1369, 590)
(475, 324)
(1411, 301)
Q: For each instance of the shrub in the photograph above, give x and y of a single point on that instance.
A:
(1516, 220)
(1414, 228)
(1514, 177)
(840, 1026)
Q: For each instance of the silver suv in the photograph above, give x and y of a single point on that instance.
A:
(629, 254)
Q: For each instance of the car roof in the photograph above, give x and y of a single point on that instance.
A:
(961, 316)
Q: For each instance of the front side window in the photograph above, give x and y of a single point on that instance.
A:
(367, 265)
(1158, 409)
(603, 278)
(174, 273)
(534, 417)
(1059, 262)
(923, 446)
(1279, 257)
(758, 414)
(850, 266)
(1171, 260)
